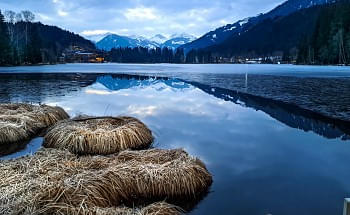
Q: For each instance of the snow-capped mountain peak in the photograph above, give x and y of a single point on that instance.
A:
(139, 38)
(159, 38)
(178, 40)
(183, 35)
(116, 41)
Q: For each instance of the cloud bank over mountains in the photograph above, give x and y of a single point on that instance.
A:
(136, 17)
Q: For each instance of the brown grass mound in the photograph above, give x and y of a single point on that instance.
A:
(102, 136)
(58, 182)
(19, 122)
(131, 177)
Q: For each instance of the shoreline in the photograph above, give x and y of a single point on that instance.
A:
(132, 63)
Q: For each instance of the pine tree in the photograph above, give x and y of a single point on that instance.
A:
(5, 48)
(347, 47)
(34, 53)
(303, 51)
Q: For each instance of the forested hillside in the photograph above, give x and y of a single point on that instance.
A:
(24, 42)
(236, 29)
(271, 37)
(330, 41)
(317, 35)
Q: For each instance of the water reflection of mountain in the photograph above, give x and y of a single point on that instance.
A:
(290, 115)
(119, 82)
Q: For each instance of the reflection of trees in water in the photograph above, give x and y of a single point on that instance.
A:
(327, 96)
(290, 115)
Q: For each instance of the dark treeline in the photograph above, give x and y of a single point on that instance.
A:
(24, 42)
(330, 41)
(158, 55)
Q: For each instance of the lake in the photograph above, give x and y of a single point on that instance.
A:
(267, 156)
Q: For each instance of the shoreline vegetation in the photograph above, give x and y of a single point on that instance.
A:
(107, 135)
(96, 167)
(20, 122)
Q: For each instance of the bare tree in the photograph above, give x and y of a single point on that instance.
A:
(10, 18)
(28, 16)
(19, 17)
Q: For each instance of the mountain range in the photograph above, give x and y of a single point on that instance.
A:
(213, 38)
(115, 41)
(221, 34)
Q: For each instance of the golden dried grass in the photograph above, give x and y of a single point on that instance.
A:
(19, 122)
(158, 208)
(58, 182)
(99, 135)
(131, 176)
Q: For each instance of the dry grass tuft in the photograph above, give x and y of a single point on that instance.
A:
(131, 177)
(58, 182)
(19, 122)
(102, 136)
(158, 208)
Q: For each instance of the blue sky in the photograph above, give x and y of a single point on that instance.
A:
(140, 17)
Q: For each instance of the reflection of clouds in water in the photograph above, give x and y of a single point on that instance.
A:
(98, 92)
(156, 97)
(142, 111)
(190, 148)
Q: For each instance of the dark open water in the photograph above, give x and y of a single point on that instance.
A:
(266, 157)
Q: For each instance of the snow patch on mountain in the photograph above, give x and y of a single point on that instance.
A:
(159, 38)
(176, 40)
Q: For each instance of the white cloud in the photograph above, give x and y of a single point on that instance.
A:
(62, 13)
(140, 13)
(124, 30)
(94, 32)
(149, 28)
(43, 17)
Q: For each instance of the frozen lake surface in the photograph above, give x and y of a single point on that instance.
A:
(266, 156)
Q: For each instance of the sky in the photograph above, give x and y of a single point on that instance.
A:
(140, 17)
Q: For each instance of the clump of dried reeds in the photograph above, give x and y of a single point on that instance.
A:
(133, 176)
(58, 182)
(19, 122)
(99, 135)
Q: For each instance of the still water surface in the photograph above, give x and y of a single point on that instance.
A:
(265, 158)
